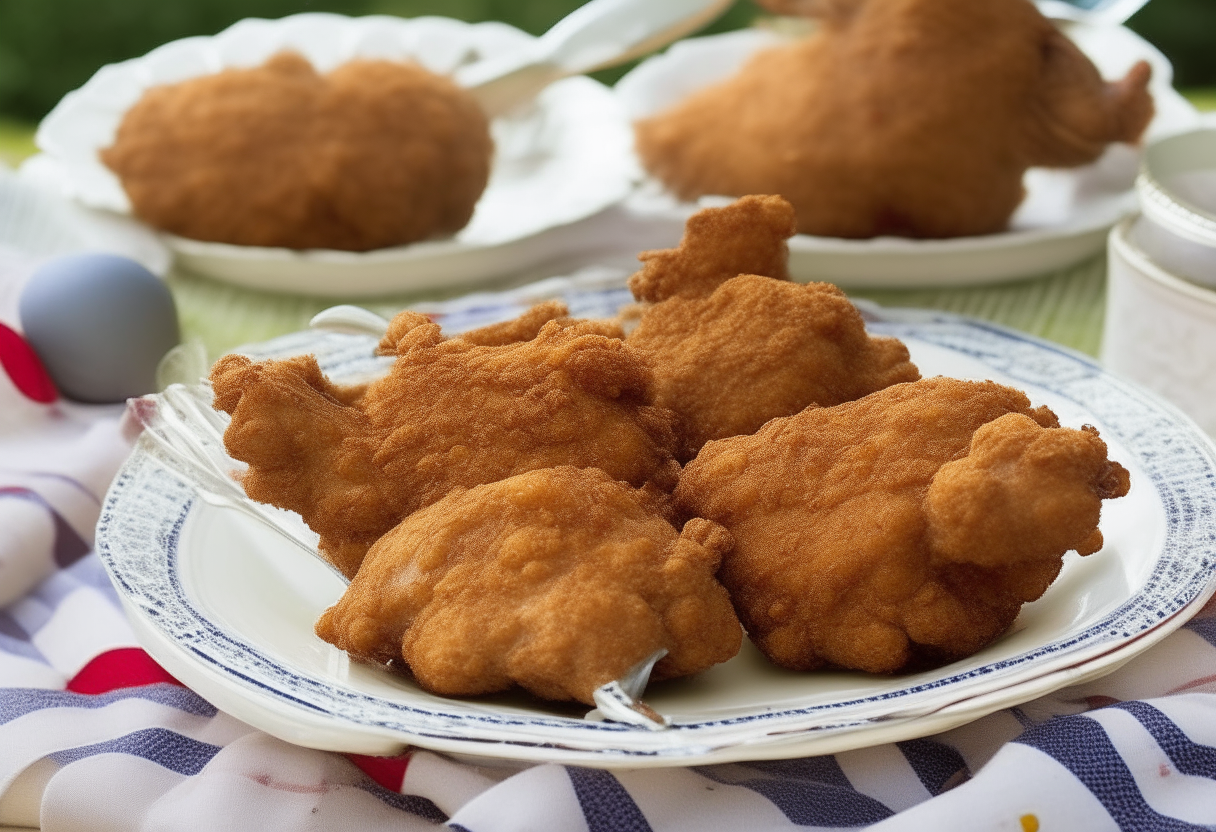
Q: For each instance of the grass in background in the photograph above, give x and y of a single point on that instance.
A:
(1203, 99)
(16, 141)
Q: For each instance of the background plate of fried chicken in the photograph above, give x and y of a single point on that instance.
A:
(224, 593)
(262, 171)
(906, 156)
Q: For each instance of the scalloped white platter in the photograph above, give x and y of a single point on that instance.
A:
(1064, 218)
(561, 160)
(226, 601)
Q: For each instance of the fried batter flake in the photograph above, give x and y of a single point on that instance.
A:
(527, 325)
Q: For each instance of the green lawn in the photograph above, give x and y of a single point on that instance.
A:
(17, 138)
(16, 141)
(1204, 99)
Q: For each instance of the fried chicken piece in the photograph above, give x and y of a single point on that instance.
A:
(449, 414)
(915, 118)
(732, 350)
(904, 528)
(558, 580)
(759, 348)
(373, 154)
(746, 237)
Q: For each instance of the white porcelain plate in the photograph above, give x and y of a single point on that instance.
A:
(562, 160)
(226, 600)
(1064, 218)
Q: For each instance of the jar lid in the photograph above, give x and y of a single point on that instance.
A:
(1177, 185)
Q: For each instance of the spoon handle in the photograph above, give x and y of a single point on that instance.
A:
(596, 35)
(605, 33)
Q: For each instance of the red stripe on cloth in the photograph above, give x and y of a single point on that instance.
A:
(387, 771)
(126, 667)
(1202, 681)
(23, 366)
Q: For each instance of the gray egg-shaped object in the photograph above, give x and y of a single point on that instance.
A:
(100, 323)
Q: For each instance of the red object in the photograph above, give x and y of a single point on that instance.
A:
(23, 366)
(387, 771)
(126, 667)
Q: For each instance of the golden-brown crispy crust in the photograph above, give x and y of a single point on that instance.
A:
(449, 414)
(374, 154)
(907, 526)
(746, 237)
(523, 328)
(898, 117)
(757, 349)
(557, 580)
(734, 343)
(527, 325)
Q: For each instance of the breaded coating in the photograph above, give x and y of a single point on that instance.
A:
(759, 348)
(558, 580)
(915, 118)
(746, 237)
(734, 344)
(523, 328)
(905, 528)
(373, 154)
(449, 414)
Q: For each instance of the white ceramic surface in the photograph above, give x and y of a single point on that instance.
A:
(225, 593)
(1091, 11)
(40, 224)
(564, 159)
(1177, 190)
(1064, 218)
(1160, 330)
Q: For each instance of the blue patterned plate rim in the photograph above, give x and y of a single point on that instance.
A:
(1177, 457)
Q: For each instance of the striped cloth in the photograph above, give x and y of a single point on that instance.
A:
(95, 736)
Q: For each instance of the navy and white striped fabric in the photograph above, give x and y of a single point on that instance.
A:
(94, 736)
